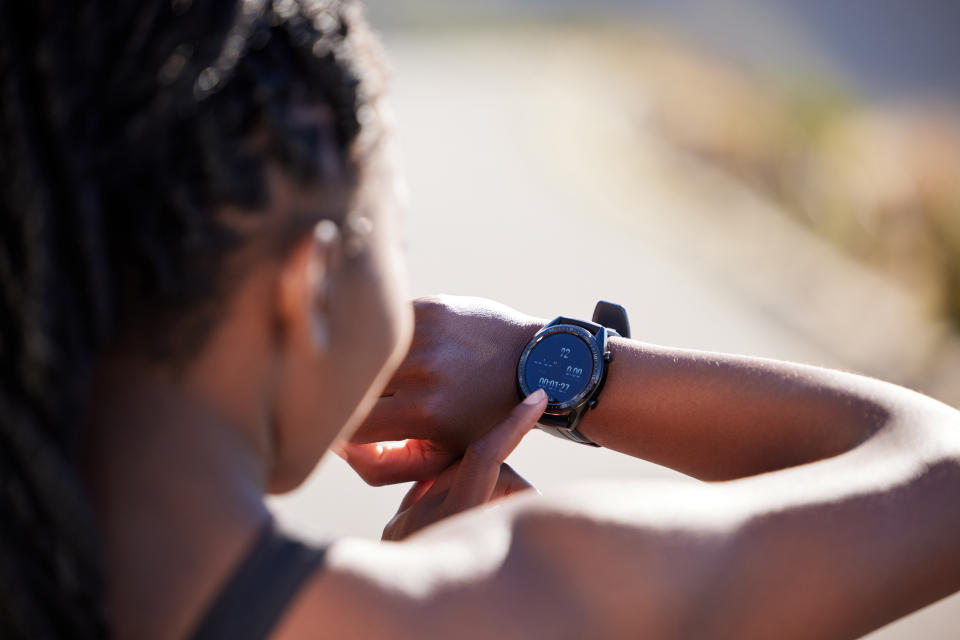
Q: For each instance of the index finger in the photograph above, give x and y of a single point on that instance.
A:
(477, 476)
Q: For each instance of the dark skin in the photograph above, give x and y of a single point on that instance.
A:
(429, 393)
(855, 526)
(854, 523)
(180, 459)
(710, 416)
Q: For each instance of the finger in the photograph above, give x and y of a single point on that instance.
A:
(381, 463)
(509, 482)
(415, 493)
(444, 480)
(480, 467)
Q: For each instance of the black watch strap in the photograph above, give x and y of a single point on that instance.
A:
(609, 319)
(592, 327)
(559, 426)
(612, 316)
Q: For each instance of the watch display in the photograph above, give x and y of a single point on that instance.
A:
(568, 358)
(562, 365)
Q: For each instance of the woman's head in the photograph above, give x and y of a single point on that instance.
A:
(156, 158)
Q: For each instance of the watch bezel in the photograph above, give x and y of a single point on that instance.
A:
(562, 408)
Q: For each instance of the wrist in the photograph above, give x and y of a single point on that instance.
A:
(523, 334)
(569, 358)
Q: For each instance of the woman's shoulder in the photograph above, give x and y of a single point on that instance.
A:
(260, 587)
(466, 575)
(587, 561)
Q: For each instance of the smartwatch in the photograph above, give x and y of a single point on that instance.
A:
(569, 360)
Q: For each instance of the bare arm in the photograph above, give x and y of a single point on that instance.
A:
(831, 549)
(844, 517)
(719, 417)
(712, 416)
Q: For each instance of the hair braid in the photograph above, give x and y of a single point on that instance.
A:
(123, 127)
(48, 554)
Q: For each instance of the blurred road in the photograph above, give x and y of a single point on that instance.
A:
(889, 51)
(526, 189)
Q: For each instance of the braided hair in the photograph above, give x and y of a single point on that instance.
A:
(125, 125)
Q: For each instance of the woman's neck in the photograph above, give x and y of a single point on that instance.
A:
(178, 491)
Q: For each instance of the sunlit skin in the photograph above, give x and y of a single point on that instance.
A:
(838, 512)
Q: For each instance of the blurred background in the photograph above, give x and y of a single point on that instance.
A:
(764, 177)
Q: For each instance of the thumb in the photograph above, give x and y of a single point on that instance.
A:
(382, 463)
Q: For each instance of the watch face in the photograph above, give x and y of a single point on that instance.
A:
(561, 364)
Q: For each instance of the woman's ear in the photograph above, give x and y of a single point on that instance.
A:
(303, 296)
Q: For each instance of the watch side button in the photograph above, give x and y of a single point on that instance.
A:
(592, 404)
(608, 356)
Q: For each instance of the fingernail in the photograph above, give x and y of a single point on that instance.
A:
(535, 397)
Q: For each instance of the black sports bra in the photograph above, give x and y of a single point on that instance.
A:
(260, 589)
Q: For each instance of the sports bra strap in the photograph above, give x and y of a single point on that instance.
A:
(260, 589)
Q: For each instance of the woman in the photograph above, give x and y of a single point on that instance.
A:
(202, 293)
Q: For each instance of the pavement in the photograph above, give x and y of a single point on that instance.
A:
(530, 184)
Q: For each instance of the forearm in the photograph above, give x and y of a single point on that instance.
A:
(831, 549)
(827, 550)
(862, 539)
(711, 416)
(717, 417)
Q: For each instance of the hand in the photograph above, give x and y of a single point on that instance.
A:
(458, 379)
(479, 477)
